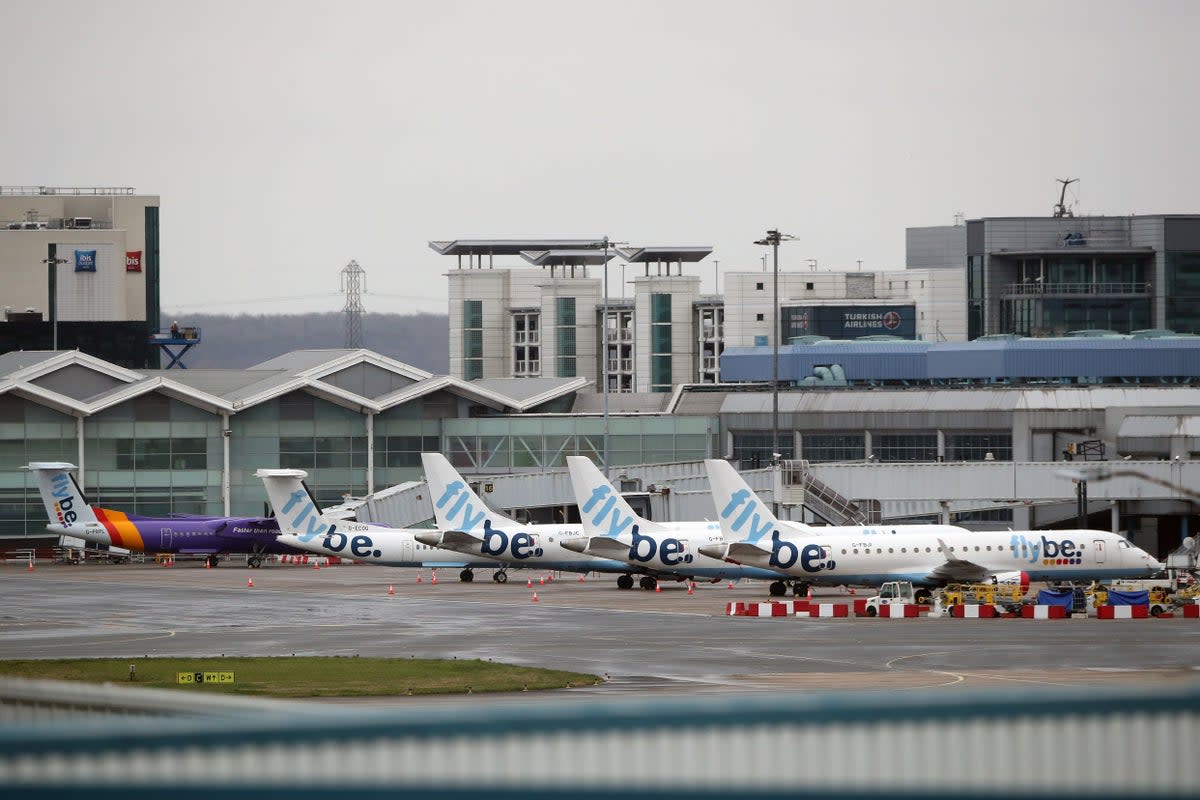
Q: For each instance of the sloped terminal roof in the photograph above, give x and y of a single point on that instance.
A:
(546, 258)
(76, 383)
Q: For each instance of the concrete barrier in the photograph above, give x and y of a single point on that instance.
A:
(1122, 612)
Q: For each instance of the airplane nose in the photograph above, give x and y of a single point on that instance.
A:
(576, 545)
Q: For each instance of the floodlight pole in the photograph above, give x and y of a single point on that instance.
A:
(604, 353)
(773, 238)
(52, 261)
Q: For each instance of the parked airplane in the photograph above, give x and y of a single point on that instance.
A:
(302, 525)
(671, 549)
(914, 553)
(466, 525)
(71, 515)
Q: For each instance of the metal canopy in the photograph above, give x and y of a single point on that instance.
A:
(511, 247)
(649, 255)
(545, 258)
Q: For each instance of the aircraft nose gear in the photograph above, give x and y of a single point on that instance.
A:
(212, 561)
(466, 576)
(625, 582)
(778, 589)
(647, 583)
(254, 561)
(500, 576)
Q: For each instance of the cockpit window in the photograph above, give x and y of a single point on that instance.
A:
(1123, 545)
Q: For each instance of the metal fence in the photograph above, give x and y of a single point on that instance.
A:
(1040, 743)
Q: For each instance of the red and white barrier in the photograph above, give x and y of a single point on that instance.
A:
(860, 607)
(1122, 612)
(1191, 612)
(1044, 612)
(744, 609)
(898, 611)
(827, 610)
(973, 612)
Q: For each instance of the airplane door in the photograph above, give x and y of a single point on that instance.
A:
(165, 538)
(1098, 545)
(406, 551)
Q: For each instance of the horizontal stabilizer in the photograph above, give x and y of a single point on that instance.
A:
(450, 540)
(607, 547)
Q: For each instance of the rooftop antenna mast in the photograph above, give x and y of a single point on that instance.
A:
(1061, 210)
(353, 283)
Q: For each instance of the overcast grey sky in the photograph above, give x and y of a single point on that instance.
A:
(286, 138)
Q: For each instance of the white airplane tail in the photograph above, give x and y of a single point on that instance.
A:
(64, 501)
(296, 510)
(456, 507)
(602, 509)
(742, 514)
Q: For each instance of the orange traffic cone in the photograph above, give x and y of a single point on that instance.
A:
(541, 581)
(418, 576)
(550, 578)
(391, 590)
(731, 584)
(529, 583)
(690, 590)
(657, 586)
(250, 583)
(434, 580)
(316, 565)
(30, 564)
(207, 564)
(535, 597)
(581, 577)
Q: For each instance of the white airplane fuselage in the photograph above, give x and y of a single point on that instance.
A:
(880, 555)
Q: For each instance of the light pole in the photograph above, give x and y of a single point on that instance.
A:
(52, 261)
(773, 238)
(604, 353)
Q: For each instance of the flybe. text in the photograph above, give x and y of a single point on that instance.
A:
(459, 504)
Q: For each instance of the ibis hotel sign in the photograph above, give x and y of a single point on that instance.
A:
(850, 322)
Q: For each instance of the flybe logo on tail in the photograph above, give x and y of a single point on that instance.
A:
(64, 500)
(307, 519)
(606, 515)
(461, 509)
(755, 526)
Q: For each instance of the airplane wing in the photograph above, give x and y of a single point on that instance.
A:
(956, 569)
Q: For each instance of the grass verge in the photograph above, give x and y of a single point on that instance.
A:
(303, 676)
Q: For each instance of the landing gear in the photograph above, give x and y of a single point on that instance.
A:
(625, 582)
(800, 589)
(212, 560)
(466, 576)
(778, 589)
(647, 583)
(500, 576)
(254, 561)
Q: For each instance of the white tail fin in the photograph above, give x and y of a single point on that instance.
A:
(744, 517)
(456, 507)
(601, 508)
(65, 503)
(295, 509)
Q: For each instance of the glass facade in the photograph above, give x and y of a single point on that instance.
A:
(753, 448)
(564, 321)
(975, 297)
(472, 339)
(154, 455)
(660, 343)
(905, 446)
(977, 446)
(819, 447)
(29, 432)
(1183, 292)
